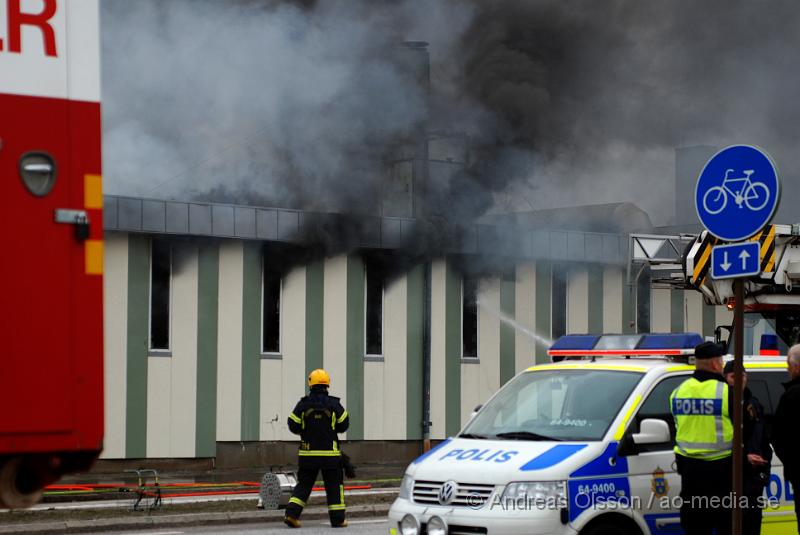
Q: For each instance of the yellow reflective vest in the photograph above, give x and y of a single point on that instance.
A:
(702, 419)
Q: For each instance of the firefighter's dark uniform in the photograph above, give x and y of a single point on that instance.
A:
(703, 444)
(318, 418)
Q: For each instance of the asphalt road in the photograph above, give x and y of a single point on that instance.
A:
(360, 526)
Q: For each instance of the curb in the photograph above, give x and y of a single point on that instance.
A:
(195, 519)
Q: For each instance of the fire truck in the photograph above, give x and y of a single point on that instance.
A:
(51, 265)
(771, 298)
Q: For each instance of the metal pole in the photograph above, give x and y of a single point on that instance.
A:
(738, 368)
(426, 359)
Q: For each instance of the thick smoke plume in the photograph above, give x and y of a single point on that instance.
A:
(560, 102)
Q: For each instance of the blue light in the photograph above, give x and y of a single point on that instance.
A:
(671, 341)
(572, 342)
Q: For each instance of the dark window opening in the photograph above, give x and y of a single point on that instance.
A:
(270, 309)
(643, 303)
(469, 318)
(373, 309)
(160, 279)
(559, 301)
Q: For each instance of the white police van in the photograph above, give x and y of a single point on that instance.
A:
(583, 445)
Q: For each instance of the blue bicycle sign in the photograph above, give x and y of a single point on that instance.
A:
(737, 192)
(754, 195)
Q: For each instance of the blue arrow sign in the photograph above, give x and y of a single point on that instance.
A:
(737, 193)
(736, 260)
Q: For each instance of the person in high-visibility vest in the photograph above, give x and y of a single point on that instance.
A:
(318, 418)
(701, 406)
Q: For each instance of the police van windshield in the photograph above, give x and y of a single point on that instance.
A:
(558, 405)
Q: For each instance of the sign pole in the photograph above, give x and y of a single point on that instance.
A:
(734, 217)
(738, 394)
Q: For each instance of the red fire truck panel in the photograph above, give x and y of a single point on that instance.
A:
(51, 373)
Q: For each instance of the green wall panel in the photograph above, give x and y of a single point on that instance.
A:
(355, 346)
(251, 341)
(452, 352)
(137, 350)
(207, 329)
(507, 332)
(543, 324)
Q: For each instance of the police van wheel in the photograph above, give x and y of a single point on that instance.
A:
(611, 526)
(19, 488)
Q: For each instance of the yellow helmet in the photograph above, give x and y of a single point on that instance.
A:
(319, 377)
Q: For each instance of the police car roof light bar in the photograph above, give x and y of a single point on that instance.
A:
(628, 345)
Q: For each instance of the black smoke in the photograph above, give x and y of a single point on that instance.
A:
(299, 104)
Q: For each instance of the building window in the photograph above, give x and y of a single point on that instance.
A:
(271, 288)
(558, 313)
(643, 302)
(374, 282)
(469, 318)
(160, 294)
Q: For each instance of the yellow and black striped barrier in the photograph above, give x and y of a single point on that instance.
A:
(767, 239)
(702, 258)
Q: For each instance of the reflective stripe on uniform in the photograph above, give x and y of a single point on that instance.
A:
(718, 423)
(338, 506)
(293, 417)
(342, 417)
(319, 453)
(297, 501)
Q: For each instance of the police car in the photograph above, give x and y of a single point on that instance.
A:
(579, 446)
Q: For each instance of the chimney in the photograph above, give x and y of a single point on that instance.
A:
(406, 180)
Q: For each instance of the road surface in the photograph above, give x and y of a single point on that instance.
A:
(360, 526)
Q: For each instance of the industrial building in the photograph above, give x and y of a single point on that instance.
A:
(216, 313)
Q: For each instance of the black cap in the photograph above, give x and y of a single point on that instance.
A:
(728, 368)
(709, 350)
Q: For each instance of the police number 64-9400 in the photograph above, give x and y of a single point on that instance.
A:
(597, 488)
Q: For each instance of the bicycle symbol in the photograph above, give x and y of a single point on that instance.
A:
(754, 195)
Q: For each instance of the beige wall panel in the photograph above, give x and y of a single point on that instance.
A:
(660, 307)
(184, 351)
(613, 287)
(525, 315)
(693, 311)
(159, 406)
(470, 389)
(393, 379)
(229, 342)
(375, 426)
(578, 300)
(115, 326)
(293, 346)
(438, 276)
(273, 420)
(334, 331)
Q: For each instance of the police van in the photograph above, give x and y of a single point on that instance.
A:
(579, 446)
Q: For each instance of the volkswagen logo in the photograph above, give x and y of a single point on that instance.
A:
(447, 492)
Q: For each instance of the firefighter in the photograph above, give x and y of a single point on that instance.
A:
(757, 456)
(703, 443)
(318, 418)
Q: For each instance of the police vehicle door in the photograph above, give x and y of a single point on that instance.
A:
(655, 485)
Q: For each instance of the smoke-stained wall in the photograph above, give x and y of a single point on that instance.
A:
(301, 104)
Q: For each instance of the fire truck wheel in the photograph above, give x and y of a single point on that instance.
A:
(19, 488)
